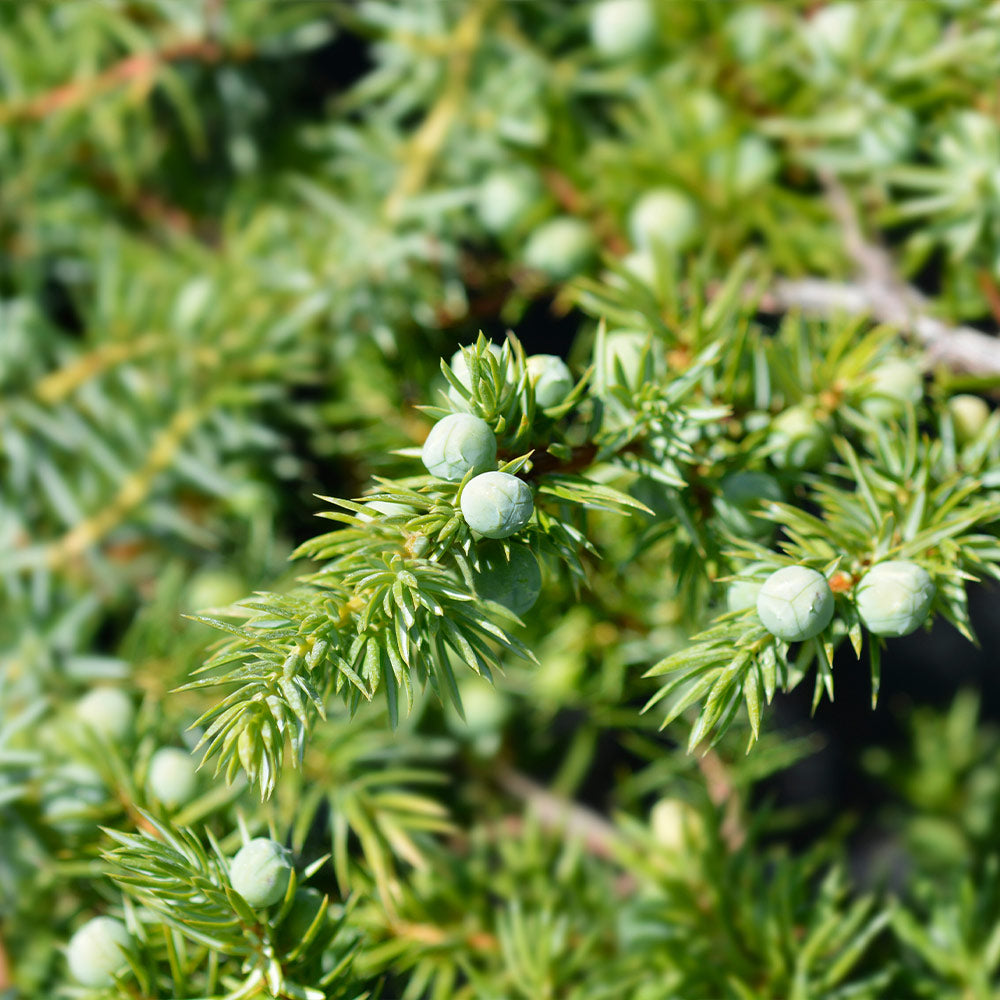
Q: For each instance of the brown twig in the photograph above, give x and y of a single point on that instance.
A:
(723, 794)
(879, 292)
(428, 139)
(6, 979)
(138, 69)
(556, 813)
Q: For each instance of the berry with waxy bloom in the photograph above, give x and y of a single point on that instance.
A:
(621, 28)
(107, 711)
(969, 415)
(795, 603)
(894, 597)
(663, 217)
(506, 197)
(497, 504)
(458, 444)
(552, 379)
(561, 247)
(260, 872)
(96, 952)
(173, 776)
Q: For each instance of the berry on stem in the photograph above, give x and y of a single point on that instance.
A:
(552, 379)
(107, 711)
(795, 603)
(506, 197)
(172, 776)
(260, 872)
(497, 504)
(458, 444)
(663, 217)
(969, 415)
(561, 247)
(620, 28)
(894, 597)
(96, 952)
(515, 584)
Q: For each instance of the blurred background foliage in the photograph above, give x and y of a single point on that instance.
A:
(236, 236)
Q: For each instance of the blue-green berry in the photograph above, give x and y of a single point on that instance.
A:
(458, 444)
(894, 383)
(798, 440)
(108, 711)
(172, 777)
(663, 217)
(795, 603)
(260, 872)
(969, 415)
(506, 197)
(620, 28)
(515, 584)
(551, 377)
(742, 493)
(497, 504)
(894, 597)
(561, 247)
(96, 952)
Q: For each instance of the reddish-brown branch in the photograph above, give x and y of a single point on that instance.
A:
(138, 69)
(556, 813)
(6, 979)
(991, 292)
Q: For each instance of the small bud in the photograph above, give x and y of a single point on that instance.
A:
(96, 952)
(621, 28)
(663, 217)
(172, 776)
(561, 247)
(969, 415)
(894, 597)
(551, 377)
(107, 711)
(795, 603)
(515, 584)
(497, 504)
(260, 872)
(458, 444)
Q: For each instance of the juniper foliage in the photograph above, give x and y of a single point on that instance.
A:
(233, 279)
